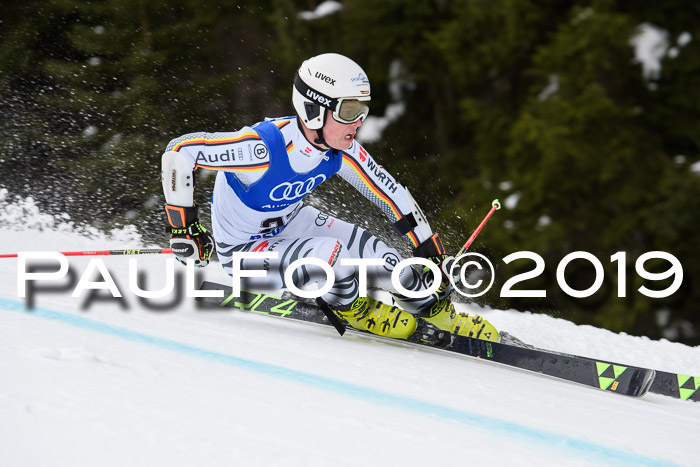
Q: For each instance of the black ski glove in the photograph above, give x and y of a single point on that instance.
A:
(433, 250)
(189, 239)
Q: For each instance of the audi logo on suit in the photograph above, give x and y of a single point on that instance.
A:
(290, 191)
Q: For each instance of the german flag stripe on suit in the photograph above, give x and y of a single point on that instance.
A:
(377, 191)
(251, 135)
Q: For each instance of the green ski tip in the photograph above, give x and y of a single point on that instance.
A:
(497, 204)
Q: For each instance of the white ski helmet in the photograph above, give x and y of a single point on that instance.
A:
(330, 81)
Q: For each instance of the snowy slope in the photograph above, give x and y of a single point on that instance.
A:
(116, 382)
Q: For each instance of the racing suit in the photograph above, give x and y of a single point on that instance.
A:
(264, 172)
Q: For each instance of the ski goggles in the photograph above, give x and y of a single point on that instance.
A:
(349, 110)
(345, 109)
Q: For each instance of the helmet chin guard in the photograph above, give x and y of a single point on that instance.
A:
(325, 82)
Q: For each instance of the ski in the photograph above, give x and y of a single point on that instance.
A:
(608, 376)
(676, 385)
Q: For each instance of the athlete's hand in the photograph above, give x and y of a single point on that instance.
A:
(433, 250)
(189, 239)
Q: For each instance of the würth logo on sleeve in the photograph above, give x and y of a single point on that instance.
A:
(363, 154)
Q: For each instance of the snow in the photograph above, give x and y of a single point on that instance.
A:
(373, 126)
(323, 9)
(650, 46)
(551, 88)
(90, 130)
(684, 39)
(511, 202)
(119, 382)
(544, 221)
(505, 185)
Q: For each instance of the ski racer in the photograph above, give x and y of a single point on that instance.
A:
(264, 172)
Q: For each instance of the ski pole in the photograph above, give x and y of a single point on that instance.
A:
(142, 251)
(495, 206)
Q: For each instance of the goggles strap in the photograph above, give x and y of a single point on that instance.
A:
(314, 96)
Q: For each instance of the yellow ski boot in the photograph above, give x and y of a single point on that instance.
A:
(367, 314)
(443, 315)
